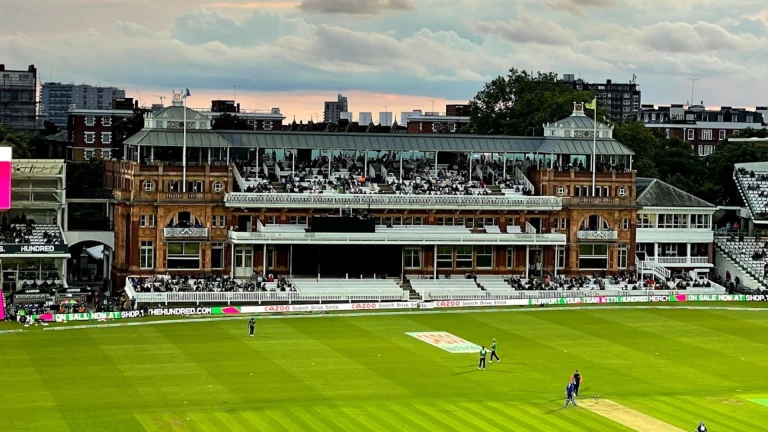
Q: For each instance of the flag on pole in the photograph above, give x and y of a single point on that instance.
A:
(592, 105)
(186, 93)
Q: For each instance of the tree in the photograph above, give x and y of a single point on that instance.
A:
(19, 142)
(228, 121)
(520, 103)
(50, 128)
(643, 142)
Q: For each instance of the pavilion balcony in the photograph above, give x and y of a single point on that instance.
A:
(597, 236)
(185, 233)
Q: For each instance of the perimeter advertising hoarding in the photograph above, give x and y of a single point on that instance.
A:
(2, 305)
(6, 156)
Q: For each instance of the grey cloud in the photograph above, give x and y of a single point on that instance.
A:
(577, 7)
(357, 7)
(203, 26)
(527, 30)
(701, 37)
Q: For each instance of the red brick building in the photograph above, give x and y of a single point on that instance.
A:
(91, 133)
(451, 121)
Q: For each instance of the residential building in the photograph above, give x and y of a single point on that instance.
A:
(621, 100)
(385, 118)
(700, 126)
(92, 133)
(451, 121)
(333, 109)
(18, 100)
(56, 99)
(365, 118)
(267, 120)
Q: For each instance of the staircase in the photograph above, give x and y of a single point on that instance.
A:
(652, 268)
(384, 188)
(495, 190)
(412, 295)
(278, 187)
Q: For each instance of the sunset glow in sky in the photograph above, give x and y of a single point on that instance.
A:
(395, 53)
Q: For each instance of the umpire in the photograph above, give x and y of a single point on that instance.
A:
(576, 380)
(252, 325)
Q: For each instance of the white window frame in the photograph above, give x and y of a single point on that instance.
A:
(147, 221)
(183, 256)
(561, 257)
(435, 126)
(147, 255)
(510, 257)
(90, 137)
(90, 120)
(485, 253)
(444, 257)
(644, 220)
(106, 154)
(452, 127)
(148, 186)
(267, 124)
(722, 135)
(690, 134)
(622, 256)
(106, 137)
(735, 133)
(106, 121)
(88, 154)
(412, 257)
(625, 224)
(465, 260)
(218, 186)
(706, 134)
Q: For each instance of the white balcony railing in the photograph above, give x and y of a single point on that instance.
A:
(605, 235)
(219, 298)
(400, 238)
(185, 232)
(679, 260)
(384, 201)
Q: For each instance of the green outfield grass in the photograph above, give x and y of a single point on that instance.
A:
(366, 374)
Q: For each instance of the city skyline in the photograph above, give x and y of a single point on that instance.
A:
(390, 49)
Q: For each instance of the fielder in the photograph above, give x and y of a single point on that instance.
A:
(493, 352)
(252, 326)
(483, 352)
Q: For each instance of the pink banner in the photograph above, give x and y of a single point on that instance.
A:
(2, 305)
(5, 178)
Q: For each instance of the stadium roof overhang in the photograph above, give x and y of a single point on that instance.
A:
(377, 142)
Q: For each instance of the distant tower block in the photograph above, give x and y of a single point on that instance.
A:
(6, 157)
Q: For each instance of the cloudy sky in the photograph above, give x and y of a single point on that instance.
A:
(402, 54)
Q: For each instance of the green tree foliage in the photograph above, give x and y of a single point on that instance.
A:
(718, 186)
(86, 174)
(520, 103)
(19, 142)
(228, 121)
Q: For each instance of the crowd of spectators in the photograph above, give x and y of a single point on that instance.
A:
(26, 231)
(344, 174)
(209, 283)
(599, 282)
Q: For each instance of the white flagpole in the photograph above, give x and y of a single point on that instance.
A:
(184, 147)
(594, 150)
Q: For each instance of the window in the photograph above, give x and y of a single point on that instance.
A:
(298, 220)
(644, 221)
(593, 257)
(106, 121)
(673, 221)
(444, 257)
(452, 127)
(667, 131)
(700, 221)
(270, 257)
(217, 256)
(445, 221)
(90, 121)
(183, 256)
(560, 191)
(435, 127)
(412, 257)
(722, 135)
(222, 221)
(148, 186)
(690, 134)
(147, 255)
(90, 137)
(271, 220)
(483, 256)
(705, 150)
(88, 154)
(469, 223)
(147, 221)
(735, 133)
(218, 221)
(106, 137)
(268, 125)
(626, 101)
(626, 108)
(625, 224)
(622, 191)
(195, 186)
(510, 257)
(623, 256)
(463, 257)
(706, 134)
(561, 257)
(106, 154)
(218, 186)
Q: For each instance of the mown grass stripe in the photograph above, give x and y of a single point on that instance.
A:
(233, 422)
(306, 416)
(413, 420)
(490, 417)
(435, 418)
(474, 423)
(358, 416)
(687, 410)
(447, 419)
(207, 421)
(262, 421)
(333, 415)
(513, 416)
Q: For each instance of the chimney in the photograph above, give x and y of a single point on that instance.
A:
(2, 67)
(238, 107)
(608, 82)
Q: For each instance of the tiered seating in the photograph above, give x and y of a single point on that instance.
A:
(431, 289)
(501, 286)
(31, 233)
(749, 254)
(362, 287)
(754, 188)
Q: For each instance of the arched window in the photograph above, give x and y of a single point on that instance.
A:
(594, 223)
